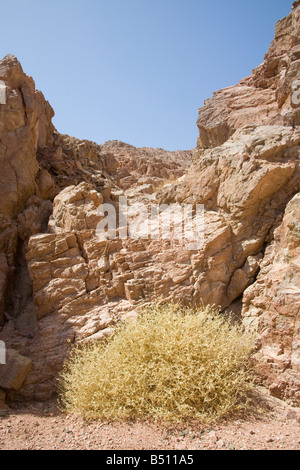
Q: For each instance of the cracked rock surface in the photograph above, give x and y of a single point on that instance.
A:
(60, 284)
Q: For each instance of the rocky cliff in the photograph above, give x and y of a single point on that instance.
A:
(60, 284)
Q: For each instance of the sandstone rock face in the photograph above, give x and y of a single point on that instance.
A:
(14, 372)
(62, 284)
(246, 166)
(272, 306)
(244, 185)
(264, 98)
(138, 166)
(25, 126)
(58, 283)
(246, 170)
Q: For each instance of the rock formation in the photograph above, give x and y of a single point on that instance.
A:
(60, 284)
(272, 306)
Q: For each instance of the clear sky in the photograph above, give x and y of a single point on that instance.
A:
(136, 70)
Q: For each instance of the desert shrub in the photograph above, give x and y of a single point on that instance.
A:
(171, 363)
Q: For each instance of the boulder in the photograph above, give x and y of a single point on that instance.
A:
(15, 371)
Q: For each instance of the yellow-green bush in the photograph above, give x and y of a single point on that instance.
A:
(171, 363)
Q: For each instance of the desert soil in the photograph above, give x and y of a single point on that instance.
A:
(43, 426)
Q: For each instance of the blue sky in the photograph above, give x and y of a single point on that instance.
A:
(136, 70)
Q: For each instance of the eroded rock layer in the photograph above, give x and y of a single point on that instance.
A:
(60, 284)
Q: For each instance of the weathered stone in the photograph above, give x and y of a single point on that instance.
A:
(15, 371)
(272, 305)
(263, 98)
(61, 285)
(25, 125)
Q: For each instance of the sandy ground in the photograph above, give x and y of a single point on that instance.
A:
(37, 426)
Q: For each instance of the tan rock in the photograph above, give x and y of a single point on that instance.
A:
(272, 305)
(14, 372)
(244, 185)
(20, 136)
(76, 209)
(263, 98)
(34, 219)
(45, 185)
(245, 171)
